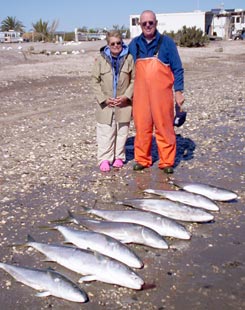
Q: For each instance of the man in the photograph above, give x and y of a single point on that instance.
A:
(158, 70)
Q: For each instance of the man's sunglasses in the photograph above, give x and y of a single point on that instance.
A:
(116, 43)
(150, 23)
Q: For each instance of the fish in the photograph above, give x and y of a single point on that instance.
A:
(92, 265)
(163, 225)
(191, 199)
(171, 209)
(210, 191)
(101, 243)
(122, 231)
(47, 281)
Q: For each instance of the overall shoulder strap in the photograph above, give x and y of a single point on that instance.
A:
(137, 50)
(158, 46)
(155, 54)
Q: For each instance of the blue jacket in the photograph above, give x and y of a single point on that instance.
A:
(168, 54)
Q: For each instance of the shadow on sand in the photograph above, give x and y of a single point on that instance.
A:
(185, 149)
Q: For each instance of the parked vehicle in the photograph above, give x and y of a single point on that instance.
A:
(10, 37)
(239, 35)
(90, 36)
(96, 36)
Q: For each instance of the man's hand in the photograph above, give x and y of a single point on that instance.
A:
(179, 98)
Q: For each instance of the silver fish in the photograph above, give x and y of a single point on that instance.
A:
(191, 199)
(210, 191)
(93, 265)
(163, 225)
(122, 231)
(48, 281)
(101, 243)
(171, 209)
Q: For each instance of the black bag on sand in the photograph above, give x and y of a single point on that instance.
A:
(180, 116)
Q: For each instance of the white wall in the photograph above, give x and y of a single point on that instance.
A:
(173, 22)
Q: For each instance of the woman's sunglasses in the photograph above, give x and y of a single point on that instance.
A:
(116, 43)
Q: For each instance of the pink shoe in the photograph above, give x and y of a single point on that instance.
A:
(105, 166)
(118, 163)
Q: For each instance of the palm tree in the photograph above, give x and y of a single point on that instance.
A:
(11, 23)
(53, 28)
(42, 31)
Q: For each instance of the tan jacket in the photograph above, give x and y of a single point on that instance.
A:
(102, 79)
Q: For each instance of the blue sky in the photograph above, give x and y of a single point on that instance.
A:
(73, 14)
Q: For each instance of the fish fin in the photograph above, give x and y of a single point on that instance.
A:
(125, 203)
(174, 183)
(148, 191)
(47, 259)
(67, 242)
(68, 219)
(63, 220)
(96, 254)
(45, 227)
(119, 202)
(43, 294)
(50, 269)
(72, 218)
(124, 241)
(20, 245)
(30, 238)
(85, 209)
(87, 278)
(16, 245)
(70, 215)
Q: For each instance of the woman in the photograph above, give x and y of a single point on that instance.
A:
(113, 78)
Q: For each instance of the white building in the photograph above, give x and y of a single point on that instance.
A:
(216, 22)
(171, 22)
(225, 23)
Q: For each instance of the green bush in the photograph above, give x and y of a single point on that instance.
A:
(69, 36)
(189, 37)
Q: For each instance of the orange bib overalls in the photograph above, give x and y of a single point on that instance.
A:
(153, 108)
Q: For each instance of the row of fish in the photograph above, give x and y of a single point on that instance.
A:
(101, 254)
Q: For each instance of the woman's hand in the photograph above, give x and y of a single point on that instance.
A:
(121, 101)
(110, 102)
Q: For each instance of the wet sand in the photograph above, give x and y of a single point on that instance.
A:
(48, 165)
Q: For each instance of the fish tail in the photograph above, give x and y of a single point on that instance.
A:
(68, 219)
(22, 245)
(86, 209)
